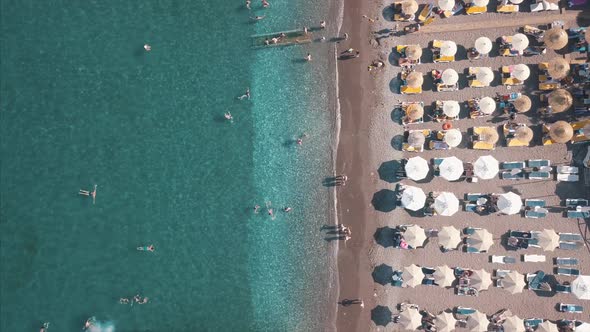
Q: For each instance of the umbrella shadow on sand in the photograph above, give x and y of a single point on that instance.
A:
(384, 200)
(397, 142)
(383, 274)
(381, 315)
(388, 13)
(388, 170)
(384, 236)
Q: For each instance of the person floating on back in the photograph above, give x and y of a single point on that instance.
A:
(89, 193)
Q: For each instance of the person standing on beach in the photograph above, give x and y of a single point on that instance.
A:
(308, 57)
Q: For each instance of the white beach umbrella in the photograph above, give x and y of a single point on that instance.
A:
(413, 198)
(547, 326)
(445, 322)
(520, 42)
(581, 287)
(487, 105)
(451, 168)
(521, 72)
(584, 327)
(483, 45)
(517, 2)
(446, 204)
(509, 203)
(410, 319)
(548, 239)
(415, 236)
(449, 76)
(513, 324)
(480, 280)
(416, 168)
(485, 75)
(443, 276)
(480, 3)
(451, 108)
(453, 137)
(481, 239)
(513, 282)
(477, 322)
(449, 237)
(448, 48)
(412, 275)
(486, 167)
(446, 4)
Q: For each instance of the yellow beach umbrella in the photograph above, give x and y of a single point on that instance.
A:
(558, 68)
(561, 132)
(555, 38)
(522, 104)
(548, 240)
(560, 100)
(449, 237)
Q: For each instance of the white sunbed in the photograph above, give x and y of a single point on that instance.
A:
(503, 259)
(567, 170)
(534, 258)
(568, 177)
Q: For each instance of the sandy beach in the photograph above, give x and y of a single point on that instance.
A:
(371, 136)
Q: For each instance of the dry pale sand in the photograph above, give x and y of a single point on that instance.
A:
(384, 137)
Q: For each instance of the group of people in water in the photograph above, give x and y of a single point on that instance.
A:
(265, 4)
(270, 210)
(136, 299)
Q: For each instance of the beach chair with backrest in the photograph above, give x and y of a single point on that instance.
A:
(536, 213)
(571, 214)
(565, 307)
(512, 165)
(569, 245)
(471, 9)
(539, 175)
(472, 197)
(568, 177)
(511, 176)
(567, 170)
(570, 237)
(559, 288)
(574, 202)
(538, 163)
(463, 311)
(503, 259)
(565, 271)
(534, 203)
(534, 258)
(471, 250)
(566, 261)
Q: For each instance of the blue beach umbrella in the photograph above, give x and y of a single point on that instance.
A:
(381, 315)
(383, 274)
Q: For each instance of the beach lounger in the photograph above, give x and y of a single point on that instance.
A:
(536, 213)
(406, 90)
(568, 177)
(574, 202)
(476, 84)
(539, 176)
(478, 145)
(438, 145)
(472, 197)
(501, 273)
(562, 288)
(428, 270)
(534, 258)
(470, 230)
(503, 259)
(436, 162)
(538, 163)
(470, 207)
(510, 176)
(567, 170)
(520, 234)
(570, 237)
(566, 261)
(411, 148)
(577, 214)
(546, 86)
(512, 165)
(532, 322)
(474, 10)
(569, 245)
(507, 8)
(471, 250)
(463, 311)
(534, 202)
(564, 307)
(425, 12)
(534, 280)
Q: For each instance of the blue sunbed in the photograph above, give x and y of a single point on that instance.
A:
(513, 165)
(570, 237)
(464, 311)
(573, 202)
(532, 322)
(539, 175)
(510, 176)
(564, 271)
(534, 202)
(566, 261)
(537, 163)
(469, 230)
(472, 197)
(535, 214)
(471, 250)
(578, 214)
(569, 245)
(470, 207)
(559, 288)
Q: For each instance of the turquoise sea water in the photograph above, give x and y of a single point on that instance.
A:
(82, 103)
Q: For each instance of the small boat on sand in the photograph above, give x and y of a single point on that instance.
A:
(285, 38)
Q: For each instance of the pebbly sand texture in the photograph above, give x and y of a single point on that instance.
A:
(371, 136)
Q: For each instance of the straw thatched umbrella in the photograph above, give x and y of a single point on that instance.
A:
(484, 74)
(410, 319)
(448, 48)
(415, 79)
(446, 4)
(547, 326)
(548, 239)
(489, 135)
(520, 42)
(555, 38)
(449, 237)
(445, 322)
(513, 282)
(477, 322)
(558, 68)
(443, 276)
(381, 315)
(587, 37)
(480, 280)
(453, 137)
(560, 100)
(409, 7)
(513, 324)
(413, 52)
(509, 203)
(486, 167)
(416, 168)
(480, 3)
(586, 130)
(451, 108)
(412, 275)
(481, 239)
(416, 138)
(521, 72)
(451, 168)
(561, 132)
(413, 198)
(522, 104)
(415, 111)
(449, 76)
(581, 287)
(487, 105)
(483, 45)
(446, 204)
(524, 134)
(415, 236)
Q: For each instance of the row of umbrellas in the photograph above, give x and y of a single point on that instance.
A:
(451, 168)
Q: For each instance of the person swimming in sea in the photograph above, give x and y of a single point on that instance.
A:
(257, 18)
(44, 327)
(229, 117)
(245, 95)
(124, 300)
(256, 208)
(89, 322)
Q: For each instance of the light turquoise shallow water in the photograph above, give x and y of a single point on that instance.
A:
(82, 103)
